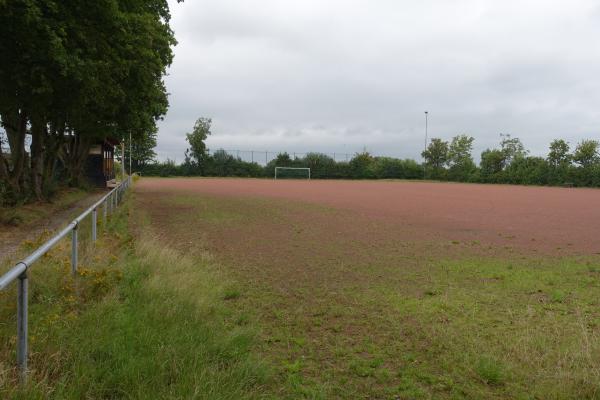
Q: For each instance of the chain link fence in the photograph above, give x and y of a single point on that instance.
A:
(263, 157)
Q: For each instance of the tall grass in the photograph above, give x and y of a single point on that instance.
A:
(139, 322)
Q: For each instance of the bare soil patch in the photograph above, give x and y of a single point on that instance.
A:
(547, 220)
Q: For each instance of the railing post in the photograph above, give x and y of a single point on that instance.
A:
(94, 219)
(22, 299)
(74, 250)
(105, 210)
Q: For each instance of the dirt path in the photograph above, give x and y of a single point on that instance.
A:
(54, 216)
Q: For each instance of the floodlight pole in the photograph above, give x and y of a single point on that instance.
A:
(425, 147)
(426, 126)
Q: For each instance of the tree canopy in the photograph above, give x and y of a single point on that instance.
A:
(74, 72)
(198, 152)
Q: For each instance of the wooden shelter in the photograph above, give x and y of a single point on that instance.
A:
(100, 163)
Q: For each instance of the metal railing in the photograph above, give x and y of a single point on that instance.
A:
(20, 271)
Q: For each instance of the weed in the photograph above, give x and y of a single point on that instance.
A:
(432, 292)
(558, 296)
(231, 294)
(490, 370)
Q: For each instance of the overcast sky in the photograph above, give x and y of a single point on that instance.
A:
(343, 75)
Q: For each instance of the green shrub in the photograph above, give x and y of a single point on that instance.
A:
(362, 166)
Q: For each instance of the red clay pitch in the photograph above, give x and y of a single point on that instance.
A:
(542, 219)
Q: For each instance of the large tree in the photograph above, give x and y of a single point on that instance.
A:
(460, 160)
(559, 161)
(436, 156)
(492, 164)
(586, 153)
(74, 72)
(198, 151)
(512, 148)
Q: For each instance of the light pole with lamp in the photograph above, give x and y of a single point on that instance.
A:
(425, 147)
(426, 121)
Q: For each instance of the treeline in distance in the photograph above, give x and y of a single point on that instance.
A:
(452, 160)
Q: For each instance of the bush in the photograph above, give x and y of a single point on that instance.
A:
(164, 169)
(362, 166)
(388, 168)
(223, 164)
(528, 171)
(321, 166)
(462, 172)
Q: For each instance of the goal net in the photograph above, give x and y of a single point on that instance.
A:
(292, 173)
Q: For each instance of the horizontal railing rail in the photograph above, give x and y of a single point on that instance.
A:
(19, 272)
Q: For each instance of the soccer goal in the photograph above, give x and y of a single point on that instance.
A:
(291, 172)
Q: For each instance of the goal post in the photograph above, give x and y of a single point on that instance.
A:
(293, 172)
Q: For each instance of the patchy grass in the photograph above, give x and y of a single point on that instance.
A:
(355, 307)
(228, 298)
(490, 371)
(140, 321)
(28, 214)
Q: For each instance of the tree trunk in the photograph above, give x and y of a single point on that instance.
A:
(15, 125)
(54, 141)
(38, 133)
(76, 152)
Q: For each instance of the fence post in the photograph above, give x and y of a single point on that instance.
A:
(94, 219)
(22, 300)
(105, 210)
(74, 250)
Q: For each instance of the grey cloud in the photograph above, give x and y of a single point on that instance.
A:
(346, 74)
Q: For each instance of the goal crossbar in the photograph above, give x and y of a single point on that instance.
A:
(292, 168)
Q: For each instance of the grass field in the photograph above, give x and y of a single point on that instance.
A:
(140, 321)
(255, 289)
(357, 292)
